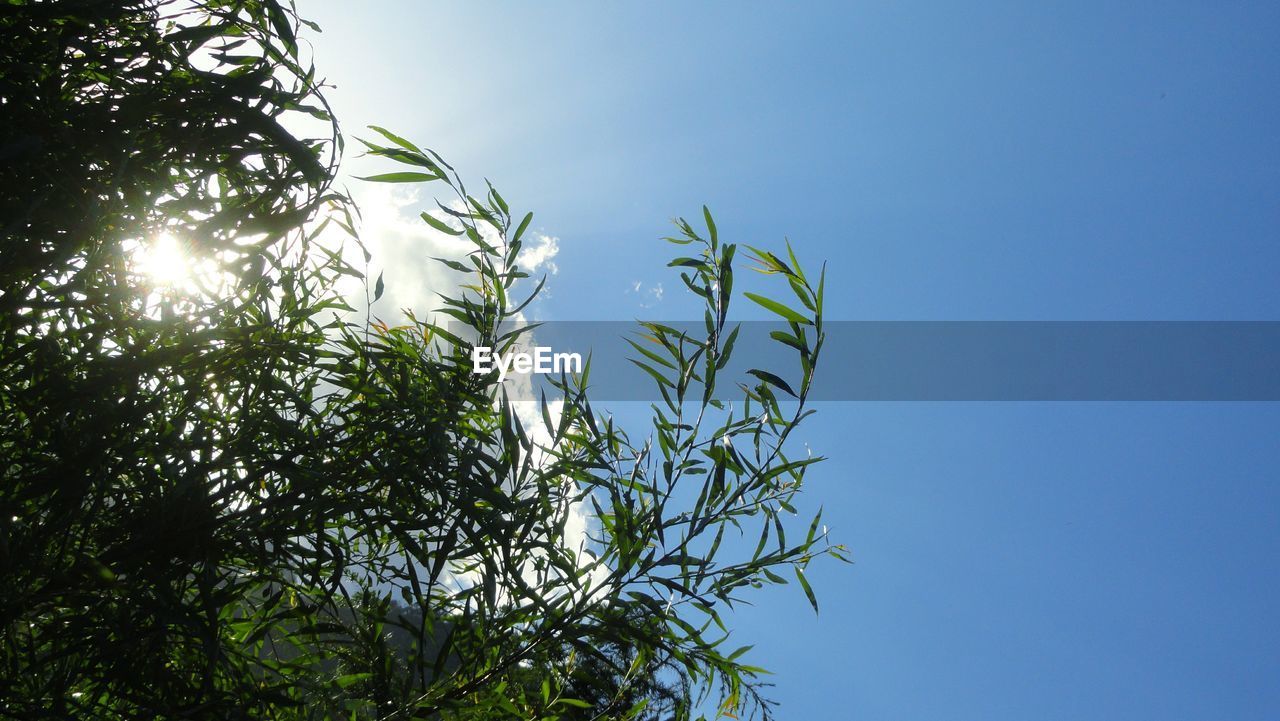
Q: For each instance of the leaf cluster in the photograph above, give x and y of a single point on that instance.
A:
(256, 503)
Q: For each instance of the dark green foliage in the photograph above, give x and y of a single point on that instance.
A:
(131, 429)
(236, 497)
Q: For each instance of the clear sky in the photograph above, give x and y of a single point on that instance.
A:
(1013, 161)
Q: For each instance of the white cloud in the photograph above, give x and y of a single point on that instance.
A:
(649, 297)
(403, 247)
(538, 254)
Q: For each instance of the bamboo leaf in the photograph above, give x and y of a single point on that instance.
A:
(403, 176)
(808, 590)
(779, 308)
(440, 225)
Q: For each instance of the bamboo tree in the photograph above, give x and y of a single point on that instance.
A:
(238, 497)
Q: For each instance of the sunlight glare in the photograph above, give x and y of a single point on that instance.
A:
(164, 261)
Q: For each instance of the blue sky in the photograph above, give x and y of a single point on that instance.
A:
(1098, 161)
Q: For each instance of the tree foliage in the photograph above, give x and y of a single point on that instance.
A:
(236, 496)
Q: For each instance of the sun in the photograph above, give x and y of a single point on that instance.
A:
(164, 261)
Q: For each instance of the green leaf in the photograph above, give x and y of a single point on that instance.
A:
(651, 355)
(773, 380)
(439, 225)
(454, 265)
(726, 352)
(395, 139)
(779, 308)
(378, 288)
(280, 21)
(687, 263)
(352, 678)
(788, 339)
(808, 590)
(404, 176)
(497, 198)
(822, 281)
(813, 527)
(773, 576)
(801, 293)
(524, 225)
(795, 263)
(661, 379)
